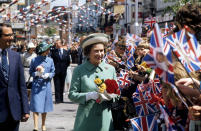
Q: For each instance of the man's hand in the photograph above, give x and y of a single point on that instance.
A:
(195, 112)
(25, 117)
(183, 85)
(136, 76)
(111, 62)
(187, 82)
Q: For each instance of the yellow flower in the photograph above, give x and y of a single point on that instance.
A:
(101, 90)
(103, 86)
(98, 81)
(144, 64)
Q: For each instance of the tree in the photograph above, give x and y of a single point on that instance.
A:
(50, 31)
(178, 4)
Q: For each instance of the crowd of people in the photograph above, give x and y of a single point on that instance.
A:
(85, 67)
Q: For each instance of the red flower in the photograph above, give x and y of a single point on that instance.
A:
(112, 86)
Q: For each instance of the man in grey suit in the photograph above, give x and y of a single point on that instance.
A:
(14, 101)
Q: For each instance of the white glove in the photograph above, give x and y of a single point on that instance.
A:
(92, 95)
(45, 76)
(38, 73)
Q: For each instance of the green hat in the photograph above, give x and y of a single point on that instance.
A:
(42, 47)
(94, 38)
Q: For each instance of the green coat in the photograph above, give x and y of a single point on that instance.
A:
(91, 116)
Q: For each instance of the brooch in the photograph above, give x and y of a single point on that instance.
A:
(106, 68)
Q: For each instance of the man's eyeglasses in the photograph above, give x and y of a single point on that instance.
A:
(8, 34)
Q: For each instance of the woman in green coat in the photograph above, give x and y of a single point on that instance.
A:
(92, 116)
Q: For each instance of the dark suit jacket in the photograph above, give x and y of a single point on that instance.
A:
(13, 95)
(76, 56)
(80, 56)
(60, 64)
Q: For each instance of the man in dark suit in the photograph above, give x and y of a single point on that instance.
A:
(61, 60)
(13, 94)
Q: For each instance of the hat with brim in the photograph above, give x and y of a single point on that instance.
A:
(42, 47)
(94, 38)
(31, 45)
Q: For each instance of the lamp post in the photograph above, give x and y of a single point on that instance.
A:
(69, 28)
(29, 24)
(136, 24)
(126, 15)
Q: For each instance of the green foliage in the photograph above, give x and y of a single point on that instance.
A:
(50, 31)
(178, 4)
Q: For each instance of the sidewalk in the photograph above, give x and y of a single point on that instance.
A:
(61, 119)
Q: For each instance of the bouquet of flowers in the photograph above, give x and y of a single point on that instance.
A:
(40, 69)
(107, 89)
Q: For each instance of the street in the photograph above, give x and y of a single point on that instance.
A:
(61, 119)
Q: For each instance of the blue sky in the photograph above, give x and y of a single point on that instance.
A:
(59, 3)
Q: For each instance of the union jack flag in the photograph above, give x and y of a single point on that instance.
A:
(187, 51)
(150, 21)
(145, 123)
(131, 44)
(132, 38)
(172, 26)
(156, 88)
(166, 30)
(130, 62)
(142, 104)
(159, 47)
(155, 91)
(123, 79)
(168, 121)
(112, 56)
(115, 41)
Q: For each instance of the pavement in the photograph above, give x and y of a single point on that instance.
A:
(61, 119)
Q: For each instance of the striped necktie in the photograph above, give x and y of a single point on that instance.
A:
(4, 64)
